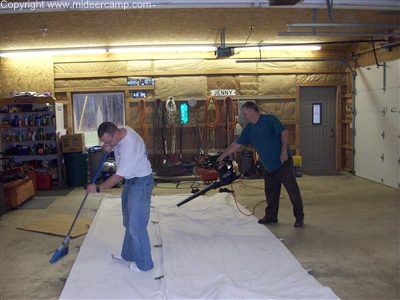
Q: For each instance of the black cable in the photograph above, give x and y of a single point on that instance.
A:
(245, 43)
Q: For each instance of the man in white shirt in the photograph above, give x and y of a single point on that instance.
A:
(132, 164)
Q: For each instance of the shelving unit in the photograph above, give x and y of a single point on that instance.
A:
(28, 133)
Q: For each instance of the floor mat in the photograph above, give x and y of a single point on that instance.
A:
(59, 225)
(54, 192)
(329, 173)
(37, 203)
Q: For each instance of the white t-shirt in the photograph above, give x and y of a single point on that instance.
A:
(131, 156)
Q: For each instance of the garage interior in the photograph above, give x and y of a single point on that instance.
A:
(351, 234)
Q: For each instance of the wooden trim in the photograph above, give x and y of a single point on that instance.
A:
(328, 53)
(102, 89)
(27, 100)
(297, 127)
(338, 128)
(260, 71)
(332, 83)
(346, 146)
(347, 96)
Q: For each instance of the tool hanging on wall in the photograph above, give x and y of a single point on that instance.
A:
(237, 131)
(163, 134)
(192, 103)
(157, 124)
(171, 111)
(142, 130)
(171, 165)
(211, 120)
(229, 108)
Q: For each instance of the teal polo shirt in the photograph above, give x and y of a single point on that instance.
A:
(265, 137)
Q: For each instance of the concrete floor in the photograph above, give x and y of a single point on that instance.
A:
(350, 239)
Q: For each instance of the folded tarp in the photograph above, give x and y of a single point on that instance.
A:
(205, 249)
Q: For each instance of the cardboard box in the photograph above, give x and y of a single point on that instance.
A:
(73, 143)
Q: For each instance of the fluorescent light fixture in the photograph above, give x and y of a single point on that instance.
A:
(279, 48)
(162, 48)
(368, 34)
(387, 25)
(44, 52)
(122, 49)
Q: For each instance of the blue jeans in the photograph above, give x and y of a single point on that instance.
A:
(135, 216)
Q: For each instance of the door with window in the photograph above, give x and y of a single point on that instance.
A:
(317, 128)
(92, 109)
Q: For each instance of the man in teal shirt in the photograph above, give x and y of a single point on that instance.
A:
(269, 137)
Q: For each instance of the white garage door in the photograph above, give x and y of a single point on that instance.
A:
(377, 139)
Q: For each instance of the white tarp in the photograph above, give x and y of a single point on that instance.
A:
(209, 251)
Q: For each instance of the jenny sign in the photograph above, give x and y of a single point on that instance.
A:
(223, 93)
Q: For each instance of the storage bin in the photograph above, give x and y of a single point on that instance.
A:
(22, 150)
(43, 181)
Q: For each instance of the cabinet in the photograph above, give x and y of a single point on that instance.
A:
(28, 133)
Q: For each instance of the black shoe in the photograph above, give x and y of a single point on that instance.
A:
(267, 220)
(299, 222)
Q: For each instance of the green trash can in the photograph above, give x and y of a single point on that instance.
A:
(95, 158)
(76, 168)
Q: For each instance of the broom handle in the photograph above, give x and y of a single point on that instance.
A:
(84, 199)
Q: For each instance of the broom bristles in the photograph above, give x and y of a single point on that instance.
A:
(59, 254)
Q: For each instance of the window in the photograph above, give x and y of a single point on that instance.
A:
(316, 113)
(90, 110)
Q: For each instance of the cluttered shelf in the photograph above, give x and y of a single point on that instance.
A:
(28, 134)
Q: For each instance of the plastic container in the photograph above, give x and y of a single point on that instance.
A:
(297, 171)
(297, 160)
(22, 150)
(43, 181)
(76, 168)
(95, 157)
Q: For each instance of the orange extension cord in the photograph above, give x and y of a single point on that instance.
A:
(211, 119)
(231, 118)
(142, 130)
(254, 208)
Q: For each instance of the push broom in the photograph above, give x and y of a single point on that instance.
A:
(62, 250)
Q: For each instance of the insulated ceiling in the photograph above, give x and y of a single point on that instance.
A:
(252, 23)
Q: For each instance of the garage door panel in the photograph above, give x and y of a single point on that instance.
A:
(369, 122)
(370, 101)
(367, 160)
(392, 74)
(367, 78)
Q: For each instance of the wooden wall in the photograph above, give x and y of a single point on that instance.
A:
(274, 86)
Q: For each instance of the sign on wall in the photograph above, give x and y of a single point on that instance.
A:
(223, 93)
